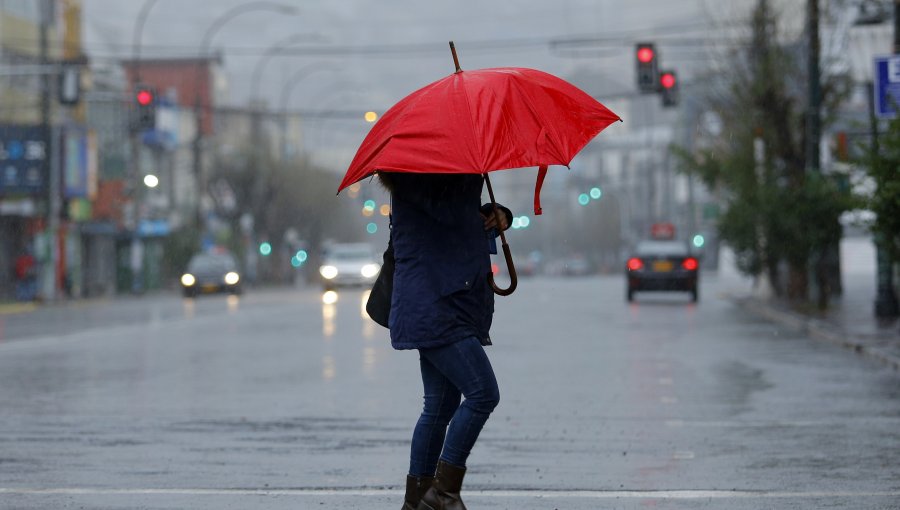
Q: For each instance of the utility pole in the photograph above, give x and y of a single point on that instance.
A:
(50, 275)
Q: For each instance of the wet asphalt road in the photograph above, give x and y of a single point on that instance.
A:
(275, 400)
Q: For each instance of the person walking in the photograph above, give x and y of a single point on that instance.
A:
(443, 305)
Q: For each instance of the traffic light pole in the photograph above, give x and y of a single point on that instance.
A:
(137, 247)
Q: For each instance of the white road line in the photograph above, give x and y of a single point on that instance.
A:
(573, 494)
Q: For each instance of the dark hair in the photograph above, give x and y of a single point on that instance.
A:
(384, 178)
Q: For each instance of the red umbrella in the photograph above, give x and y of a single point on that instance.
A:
(481, 121)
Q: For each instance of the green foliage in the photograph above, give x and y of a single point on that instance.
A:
(178, 247)
(884, 168)
(281, 196)
(775, 209)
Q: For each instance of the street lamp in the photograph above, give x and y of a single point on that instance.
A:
(206, 41)
(138, 32)
(288, 87)
(270, 52)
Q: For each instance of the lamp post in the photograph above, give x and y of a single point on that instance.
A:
(256, 104)
(138, 32)
(270, 52)
(137, 263)
(206, 41)
(288, 87)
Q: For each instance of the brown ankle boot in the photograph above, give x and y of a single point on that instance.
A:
(444, 492)
(415, 488)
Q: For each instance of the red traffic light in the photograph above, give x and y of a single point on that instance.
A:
(667, 80)
(645, 54)
(144, 97)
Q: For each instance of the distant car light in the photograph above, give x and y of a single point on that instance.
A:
(188, 279)
(232, 278)
(369, 270)
(690, 264)
(328, 272)
(635, 264)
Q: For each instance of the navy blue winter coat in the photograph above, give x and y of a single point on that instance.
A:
(441, 250)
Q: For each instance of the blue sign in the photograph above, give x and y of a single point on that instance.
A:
(153, 228)
(24, 159)
(887, 86)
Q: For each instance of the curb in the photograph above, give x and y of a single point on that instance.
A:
(14, 308)
(816, 329)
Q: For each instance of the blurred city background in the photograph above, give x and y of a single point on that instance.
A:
(136, 134)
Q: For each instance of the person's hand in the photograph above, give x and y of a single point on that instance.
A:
(496, 219)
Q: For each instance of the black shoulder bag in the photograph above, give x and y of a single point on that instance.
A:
(379, 304)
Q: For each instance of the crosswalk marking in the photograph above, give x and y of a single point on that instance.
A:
(573, 494)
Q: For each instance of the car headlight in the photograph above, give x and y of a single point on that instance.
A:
(187, 279)
(232, 278)
(369, 270)
(328, 272)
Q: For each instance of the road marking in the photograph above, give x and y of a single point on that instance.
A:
(685, 455)
(537, 493)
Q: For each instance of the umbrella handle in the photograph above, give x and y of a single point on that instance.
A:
(513, 279)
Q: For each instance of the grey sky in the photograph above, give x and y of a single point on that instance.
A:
(176, 27)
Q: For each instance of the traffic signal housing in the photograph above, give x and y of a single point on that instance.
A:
(668, 88)
(647, 66)
(145, 107)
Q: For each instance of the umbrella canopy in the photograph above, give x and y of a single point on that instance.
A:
(481, 121)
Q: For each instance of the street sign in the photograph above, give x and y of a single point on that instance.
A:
(24, 159)
(887, 86)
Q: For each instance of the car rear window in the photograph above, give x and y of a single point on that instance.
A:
(212, 263)
(662, 248)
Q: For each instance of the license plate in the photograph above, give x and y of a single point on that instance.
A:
(210, 287)
(662, 266)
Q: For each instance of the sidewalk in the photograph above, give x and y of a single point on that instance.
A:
(850, 320)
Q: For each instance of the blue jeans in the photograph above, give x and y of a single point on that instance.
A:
(449, 372)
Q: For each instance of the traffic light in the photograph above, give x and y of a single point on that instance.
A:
(145, 107)
(647, 66)
(668, 88)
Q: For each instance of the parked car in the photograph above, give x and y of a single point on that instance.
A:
(657, 265)
(346, 264)
(209, 273)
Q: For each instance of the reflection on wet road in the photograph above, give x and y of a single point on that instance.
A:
(295, 397)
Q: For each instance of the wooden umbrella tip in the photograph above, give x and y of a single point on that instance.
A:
(455, 58)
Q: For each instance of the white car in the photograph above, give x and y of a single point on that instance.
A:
(349, 264)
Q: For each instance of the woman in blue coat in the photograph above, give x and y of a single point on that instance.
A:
(442, 305)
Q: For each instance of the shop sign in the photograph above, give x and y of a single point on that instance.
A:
(24, 159)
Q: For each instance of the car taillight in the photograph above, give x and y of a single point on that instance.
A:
(634, 264)
(690, 264)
